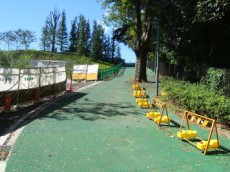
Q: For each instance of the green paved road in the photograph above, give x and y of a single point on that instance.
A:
(102, 129)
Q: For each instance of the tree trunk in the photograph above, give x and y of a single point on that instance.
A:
(53, 44)
(140, 67)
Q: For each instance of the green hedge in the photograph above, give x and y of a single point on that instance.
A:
(198, 98)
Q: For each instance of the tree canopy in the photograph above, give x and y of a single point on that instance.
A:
(133, 21)
(193, 34)
(18, 38)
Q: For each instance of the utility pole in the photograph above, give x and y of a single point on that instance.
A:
(156, 21)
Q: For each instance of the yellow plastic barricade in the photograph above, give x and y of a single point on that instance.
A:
(144, 104)
(191, 135)
(141, 93)
(136, 86)
(158, 116)
(142, 99)
(138, 94)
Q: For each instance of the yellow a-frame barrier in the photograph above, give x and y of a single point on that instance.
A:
(140, 95)
(143, 102)
(189, 135)
(136, 86)
(156, 116)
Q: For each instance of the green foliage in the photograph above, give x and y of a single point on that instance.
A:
(103, 64)
(211, 9)
(198, 98)
(214, 78)
(62, 35)
(45, 40)
(197, 31)
(171, 57)
(97, 44)
(133, 21)
(19, 38)
(21, 59)
(8, 58)
(53, 21)
(97, 41)
(23, 62)
(83, 41)
(73, 36)
(4, 61)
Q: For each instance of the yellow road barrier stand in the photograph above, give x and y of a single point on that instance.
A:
(144, 104)
(140, 93)
(188, 134)
(142, 101)
(191, 135)
(138, 100)
(136, 86)
(158, 116)
(137, 94)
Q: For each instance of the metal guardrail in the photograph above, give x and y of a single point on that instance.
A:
(109, 72)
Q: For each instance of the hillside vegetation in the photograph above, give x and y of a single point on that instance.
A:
(21, 58)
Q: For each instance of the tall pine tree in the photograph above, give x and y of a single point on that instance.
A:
(97, 41)
(107, 50)
(113, 46)
(62, 36)
(45, 37)
(83, 41)
(53, 21)
(88, 38)
(118, 53)
(73, 36)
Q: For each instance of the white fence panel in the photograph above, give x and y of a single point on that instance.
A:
(92, 72)
(60, 74)
(47, 76)
(29, 78)
(9, 79)
(79, 72)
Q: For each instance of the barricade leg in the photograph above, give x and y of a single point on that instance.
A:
(8, 103)
(37, 96)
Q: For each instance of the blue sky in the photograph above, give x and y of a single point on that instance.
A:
(31, 15)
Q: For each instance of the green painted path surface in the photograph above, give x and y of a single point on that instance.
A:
(102, 129)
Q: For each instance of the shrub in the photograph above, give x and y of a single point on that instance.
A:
(198, 98)
(214, 78)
